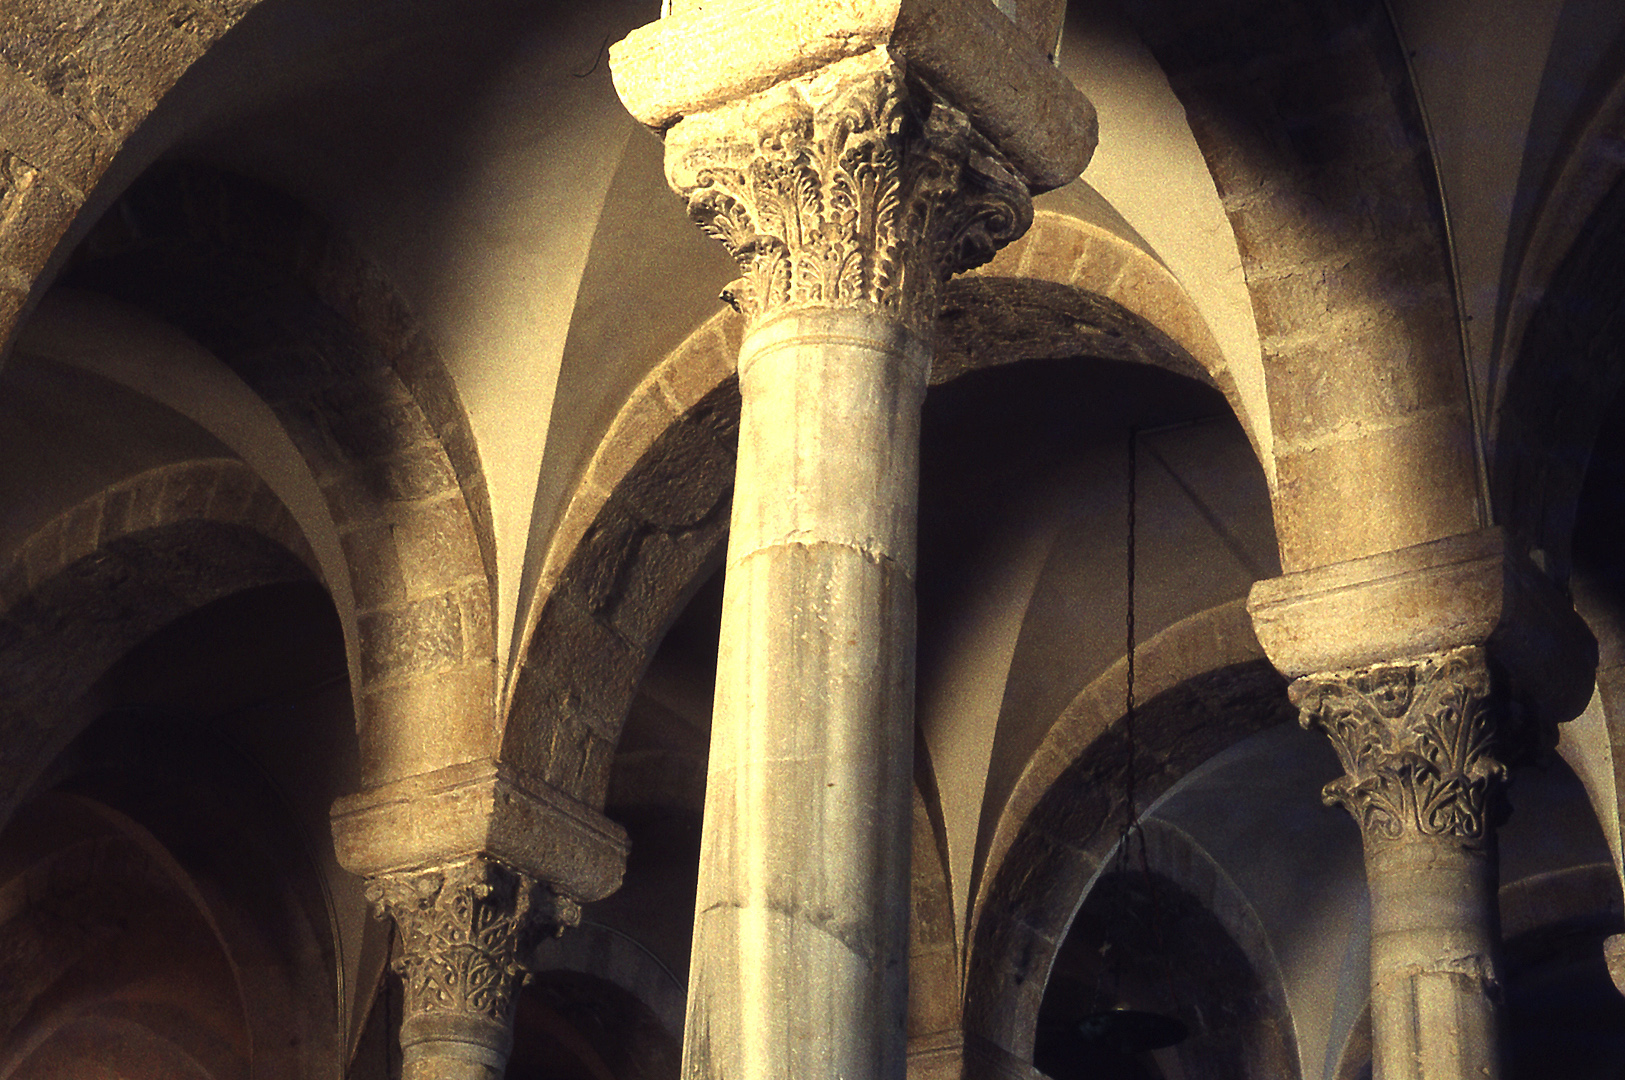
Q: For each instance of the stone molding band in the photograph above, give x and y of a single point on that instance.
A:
(481, 808)
(1467, 590)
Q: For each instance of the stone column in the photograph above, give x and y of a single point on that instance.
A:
(466, 932)
(474, 863)
(848, 196)
(851, 158)
(1430, 669)
(1418, 742)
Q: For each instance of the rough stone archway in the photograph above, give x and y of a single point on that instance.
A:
(104, 575)
(1304, 112)
(1192, 946)
(1207, 686)
(319, 334)
(88, 73)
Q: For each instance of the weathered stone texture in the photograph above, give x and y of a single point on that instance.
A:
(250, 275)
(1307, 121)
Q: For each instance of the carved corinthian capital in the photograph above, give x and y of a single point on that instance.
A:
(1417, 741)
(853, 186)
(466, 930)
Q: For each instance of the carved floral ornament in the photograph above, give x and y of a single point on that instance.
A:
(853, 186)
(465, 931)
(1417, 743)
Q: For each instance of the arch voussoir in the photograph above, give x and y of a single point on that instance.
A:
(93, 582)
(316, 331)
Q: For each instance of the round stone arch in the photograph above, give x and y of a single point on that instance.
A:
(1205, 685)
(68, 104)
(1237, 1009)
(1150, 317)
(316, 330)
(1312, 133)
(104, 575)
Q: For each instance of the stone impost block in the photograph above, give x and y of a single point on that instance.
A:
(1471, 589)
(696, 60)
(481, 807)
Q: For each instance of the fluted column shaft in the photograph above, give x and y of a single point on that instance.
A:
(847, 197)
(1418, 741)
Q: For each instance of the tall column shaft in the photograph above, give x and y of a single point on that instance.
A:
(1433, 943)
(801, 927)
(847, 196)
(1417, 741)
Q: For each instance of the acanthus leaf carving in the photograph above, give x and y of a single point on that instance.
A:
(466, 930)
(1417, 740)
(856, 185)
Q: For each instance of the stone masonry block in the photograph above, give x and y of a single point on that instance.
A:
(375, 566)
(371, 429)
(417, 473)
(145, 506)
(1378, 370)
(187, 492)
(682, 478)
(436, 542)
(474, 598)
(567, 757)
(33, 215)
(575, 665)
(42, 553)
(48, 132)
(1391, 488)
(421, 724)
(234, 492)
(411, 640)
(708, 358)
(642, 421)
(81, 530)
(138, 56)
